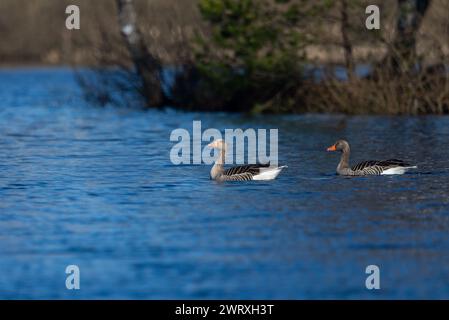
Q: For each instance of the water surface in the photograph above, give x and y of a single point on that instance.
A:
(95, 187)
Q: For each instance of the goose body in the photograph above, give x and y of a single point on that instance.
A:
(240, 173)
(373, 167)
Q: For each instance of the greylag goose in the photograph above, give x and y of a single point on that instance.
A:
(373, 167)
(240, 173)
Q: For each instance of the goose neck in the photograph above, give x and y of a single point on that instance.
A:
(344, 159)
(221, 158)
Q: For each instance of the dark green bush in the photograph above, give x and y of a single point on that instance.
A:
(252, 59)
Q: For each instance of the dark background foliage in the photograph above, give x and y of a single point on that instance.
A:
(251, 56)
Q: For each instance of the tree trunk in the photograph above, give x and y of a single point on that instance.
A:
(147, 66)
(402, 53)
(347, 46)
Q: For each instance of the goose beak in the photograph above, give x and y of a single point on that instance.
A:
(332, 148)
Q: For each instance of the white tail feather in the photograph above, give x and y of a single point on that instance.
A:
(398, 170)
(269, 173)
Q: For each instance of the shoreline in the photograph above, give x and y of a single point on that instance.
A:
(348, 107)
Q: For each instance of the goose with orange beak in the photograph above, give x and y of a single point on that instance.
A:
(240, 173)
(372, 167)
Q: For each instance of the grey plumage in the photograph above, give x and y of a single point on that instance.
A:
(372, 167)
(240, 173)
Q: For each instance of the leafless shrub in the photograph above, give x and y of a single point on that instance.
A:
(425, 91)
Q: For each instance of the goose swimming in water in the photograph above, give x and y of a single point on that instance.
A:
(240, 173)
(391, 166)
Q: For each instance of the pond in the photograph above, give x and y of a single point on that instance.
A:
(95, 187)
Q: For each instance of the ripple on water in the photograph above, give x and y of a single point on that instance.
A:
(95, 187)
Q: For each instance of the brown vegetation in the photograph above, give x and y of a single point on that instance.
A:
(421, 93)
(33, 32)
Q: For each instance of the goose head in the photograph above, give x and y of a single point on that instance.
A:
(219, 144)
(340, 145)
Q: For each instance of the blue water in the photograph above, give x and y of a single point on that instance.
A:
(95, 187)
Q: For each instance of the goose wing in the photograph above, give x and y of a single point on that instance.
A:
(364, 164)
(377, 167)
(245, 176)
(393, 163)
(245, 172)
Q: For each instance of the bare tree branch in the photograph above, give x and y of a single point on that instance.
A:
(147, 66)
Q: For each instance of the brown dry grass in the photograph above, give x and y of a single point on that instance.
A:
(425, 92)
